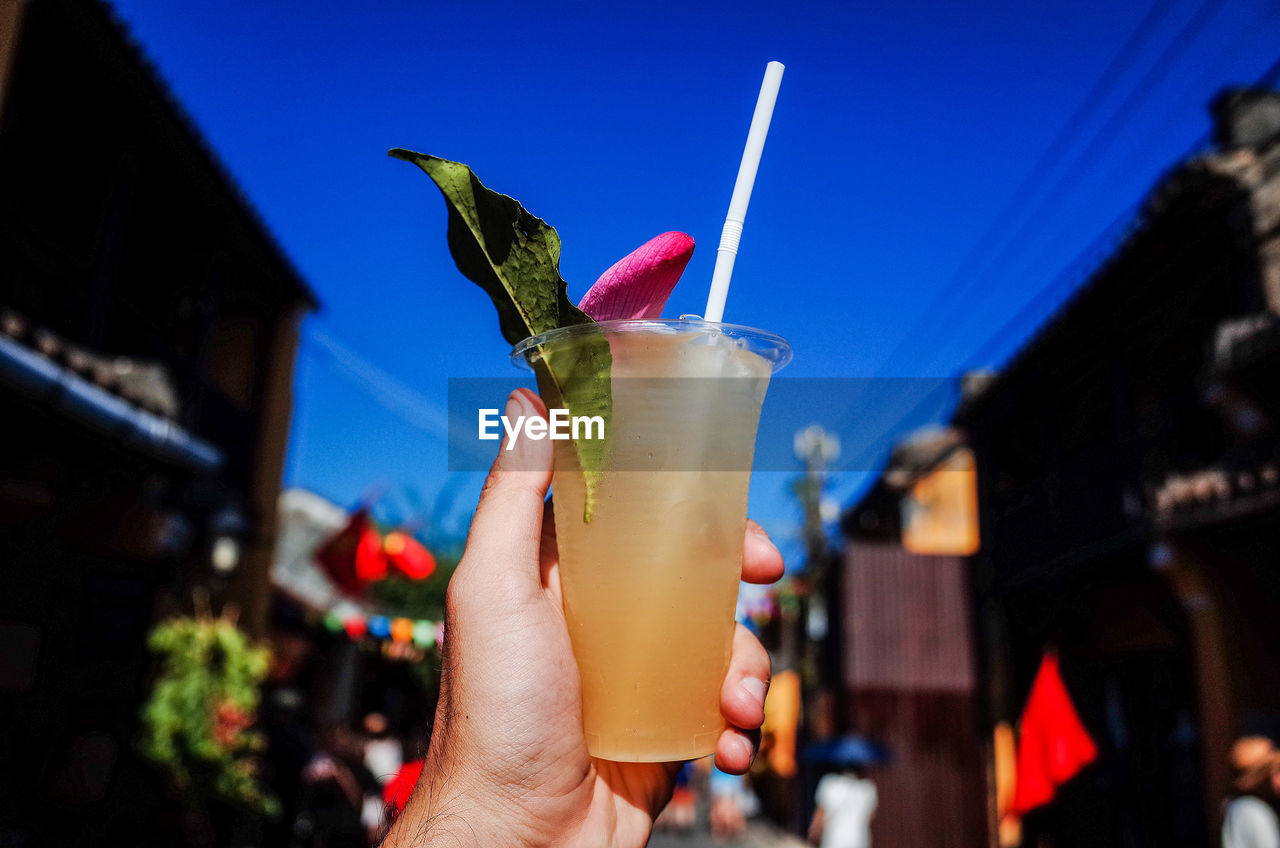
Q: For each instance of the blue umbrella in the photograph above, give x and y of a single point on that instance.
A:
(849, 750)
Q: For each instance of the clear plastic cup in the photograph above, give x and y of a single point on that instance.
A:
(650, 581)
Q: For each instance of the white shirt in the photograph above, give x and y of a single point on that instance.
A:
(847, 804)
(383, 757)
(1250, 823)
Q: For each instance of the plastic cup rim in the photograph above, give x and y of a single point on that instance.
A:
(776, 349)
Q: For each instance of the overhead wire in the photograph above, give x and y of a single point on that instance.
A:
(1102, 88)
(1061, 284)
(950, 293)
(409, 405)
(1102, 138)
(1061, 287)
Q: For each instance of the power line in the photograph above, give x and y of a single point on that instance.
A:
(1060, 287)
(406, 403)
(1100, 90)
(1014, 233)
(1085, 267)
(1116, 68)
(1106, 135)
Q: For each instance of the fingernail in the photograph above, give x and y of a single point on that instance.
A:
(761, 534)
(513, 412)
(527, 452)
(755, 687)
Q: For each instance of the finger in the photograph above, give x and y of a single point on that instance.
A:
(736, 749)
(507, 527)
(761, 562)
(549, 554)
(742, 695)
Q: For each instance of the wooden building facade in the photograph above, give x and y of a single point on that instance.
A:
(148, 328)
(1127, 463)
(1128, 510)
(908, 678)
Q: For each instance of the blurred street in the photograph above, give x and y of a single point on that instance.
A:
(1011, 579)
(758, 835)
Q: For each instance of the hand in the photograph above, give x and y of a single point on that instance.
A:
(507, 764)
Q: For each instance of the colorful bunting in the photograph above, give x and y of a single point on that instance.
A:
(424, 634)
(402, 629)
(397, 637)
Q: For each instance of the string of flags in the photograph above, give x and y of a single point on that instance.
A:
(358, 555)
(420, 633)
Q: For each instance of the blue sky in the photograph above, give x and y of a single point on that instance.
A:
(904, 211)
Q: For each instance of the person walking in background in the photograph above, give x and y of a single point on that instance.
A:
(681, 812)
(383, 757)
(383, 753)
(845, 805)
(1249, 819)
(331, 798)
(731, 803)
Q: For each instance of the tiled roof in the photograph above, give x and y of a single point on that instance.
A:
(119, 31)
(124, 400)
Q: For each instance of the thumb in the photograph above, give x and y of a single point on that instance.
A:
(507, 529)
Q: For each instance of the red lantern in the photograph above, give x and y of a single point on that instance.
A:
(353, 556)
(407, 554)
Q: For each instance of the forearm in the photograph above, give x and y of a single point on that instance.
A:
(453, 805)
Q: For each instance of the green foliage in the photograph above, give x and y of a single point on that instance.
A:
(195, 725)
(515, 257)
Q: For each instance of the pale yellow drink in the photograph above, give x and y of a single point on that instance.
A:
(651, 581)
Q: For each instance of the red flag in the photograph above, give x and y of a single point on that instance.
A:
(407, 554)
(353, 556)
(397, 790)
(1054, 744)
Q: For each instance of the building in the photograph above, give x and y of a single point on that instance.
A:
(1128, 497)
(148, 327)
(1127, 464)
(907, 660)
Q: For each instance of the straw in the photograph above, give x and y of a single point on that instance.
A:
(732, 234)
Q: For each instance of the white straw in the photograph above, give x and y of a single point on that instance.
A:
(732, 234)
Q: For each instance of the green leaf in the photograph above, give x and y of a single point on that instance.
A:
(515, 257)
(510, 253)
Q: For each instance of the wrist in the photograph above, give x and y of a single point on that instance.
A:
(453, 805)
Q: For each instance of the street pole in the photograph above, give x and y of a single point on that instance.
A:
(817, 449)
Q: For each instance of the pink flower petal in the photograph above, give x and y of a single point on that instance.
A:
(638, 285)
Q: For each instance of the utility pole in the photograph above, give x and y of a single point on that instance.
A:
(817, 449)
